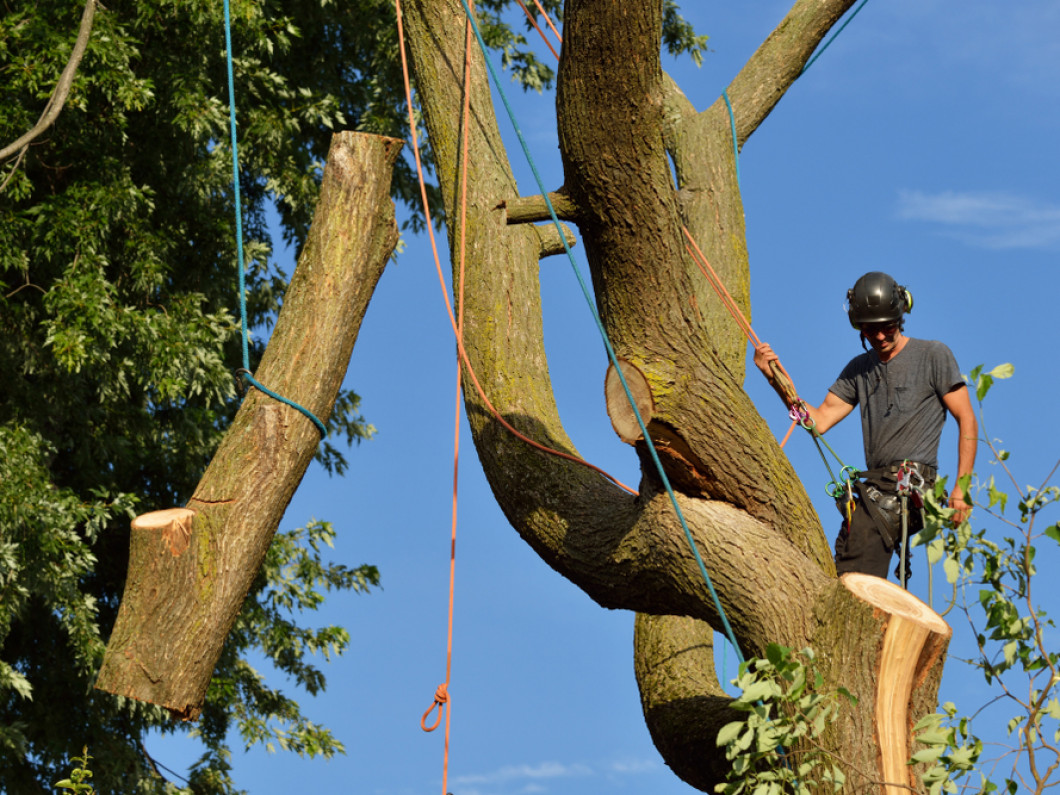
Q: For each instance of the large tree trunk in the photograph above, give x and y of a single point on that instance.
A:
(620, 118)
(190, 572)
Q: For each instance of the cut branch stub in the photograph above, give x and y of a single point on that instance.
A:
(623, 419)
(888, 648)
(173, 524)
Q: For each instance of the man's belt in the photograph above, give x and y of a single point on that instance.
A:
(928, 473)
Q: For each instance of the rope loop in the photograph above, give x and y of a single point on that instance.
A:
(243, 374)
(441, 698)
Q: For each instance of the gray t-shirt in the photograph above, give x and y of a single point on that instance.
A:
(902, 412)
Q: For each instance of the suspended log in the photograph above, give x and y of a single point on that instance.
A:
(190, 568)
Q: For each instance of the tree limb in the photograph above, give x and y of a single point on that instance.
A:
(189, 574)
(778, 63)
(62, 88)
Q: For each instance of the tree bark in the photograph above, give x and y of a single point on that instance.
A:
(620, 119)
(187, 582)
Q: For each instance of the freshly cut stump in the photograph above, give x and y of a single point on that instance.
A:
(174, 524)
(911, 628)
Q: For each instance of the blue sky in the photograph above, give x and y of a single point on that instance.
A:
(922, 143)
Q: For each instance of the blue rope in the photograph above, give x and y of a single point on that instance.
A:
(603, 334)
(832, 38)
(732, 125)
(245, 372)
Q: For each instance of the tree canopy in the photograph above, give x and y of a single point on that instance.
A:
(118, 337)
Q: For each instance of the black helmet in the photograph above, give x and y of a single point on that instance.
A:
(877, 298)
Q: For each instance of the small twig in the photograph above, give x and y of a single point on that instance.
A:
(27, 284)
(156, 764)
(14, 169)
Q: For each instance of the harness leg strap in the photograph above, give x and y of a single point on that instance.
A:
(903, 551)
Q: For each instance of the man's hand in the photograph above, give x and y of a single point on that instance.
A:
(962, 509)
(763, 356)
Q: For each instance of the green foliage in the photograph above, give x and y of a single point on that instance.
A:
(678, 35)
(993, 581)
(774, 749)
(118, 341)
(77, 781)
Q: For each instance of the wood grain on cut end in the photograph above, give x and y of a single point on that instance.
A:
(623, 419)
(173, 523)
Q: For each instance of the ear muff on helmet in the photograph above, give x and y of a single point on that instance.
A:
(907, 298)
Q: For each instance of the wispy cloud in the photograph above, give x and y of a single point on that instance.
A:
(543, 770)
(536, 779)
(987, 220)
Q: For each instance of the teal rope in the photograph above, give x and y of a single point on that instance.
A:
(603, 334)
(732, 124)
(832, 38)
(239, 238)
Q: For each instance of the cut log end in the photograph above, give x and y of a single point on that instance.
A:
(896, 601)
(173, 523)
(623, 418)
(912, 632)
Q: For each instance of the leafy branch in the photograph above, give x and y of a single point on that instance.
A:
(775, 749)
(1009, 629)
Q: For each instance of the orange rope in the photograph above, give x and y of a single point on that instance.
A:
(692, 247)
(538, 29)
(548, 19)
(452, 320)
(441, 695)
(730, 303)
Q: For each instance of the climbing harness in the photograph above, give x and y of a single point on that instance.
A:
(910, 490)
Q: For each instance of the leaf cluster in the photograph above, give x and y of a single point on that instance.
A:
(774, 750)
(78, 781)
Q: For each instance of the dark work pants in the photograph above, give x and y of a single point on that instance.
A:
(861, 548)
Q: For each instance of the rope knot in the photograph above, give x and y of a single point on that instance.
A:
(441, 698)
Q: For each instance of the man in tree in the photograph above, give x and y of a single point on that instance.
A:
(904, 387)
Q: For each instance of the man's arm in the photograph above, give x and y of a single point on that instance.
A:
(959, 404)
(824, 416)
(830, 412)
